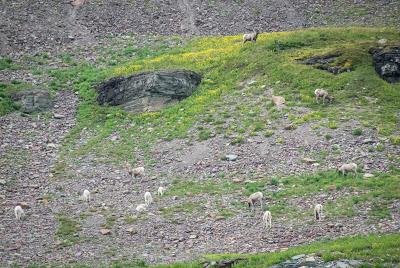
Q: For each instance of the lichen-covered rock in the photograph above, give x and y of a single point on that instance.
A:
(327, 62)
(387, 63)
(148, 91)
(33, 100)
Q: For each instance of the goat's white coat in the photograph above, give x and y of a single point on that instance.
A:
(86, 196)
(161, 190)
(19, 212)
(351, 167)
(318, 212)
(148, 199)
(267, 219)
(253, 198)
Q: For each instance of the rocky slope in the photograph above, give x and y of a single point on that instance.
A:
(30, 26)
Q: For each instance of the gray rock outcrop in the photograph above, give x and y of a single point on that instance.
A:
(149, 91)
(387, 63)
(33, 100)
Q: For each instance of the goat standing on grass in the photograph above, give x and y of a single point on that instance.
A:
(345, 168)
(250, 37)
(318, 212)
(253, 198)
(267, 219)
(322, 93)
(148, 199)
(19, 212)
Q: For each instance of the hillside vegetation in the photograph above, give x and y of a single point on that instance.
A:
(184, 146)
(224, 63)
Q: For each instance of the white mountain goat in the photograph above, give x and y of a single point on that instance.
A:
(148, 199)
(322, 93)
(19, 212)
(86, 196)
(250, 37)
(318, 212)
(161, 190)
(345, 168)
(267, 219)
(253, 198)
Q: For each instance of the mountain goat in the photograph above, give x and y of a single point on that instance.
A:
(318, 212)
(267, 219)
(19, 212)
(161, 190)
(86, 196)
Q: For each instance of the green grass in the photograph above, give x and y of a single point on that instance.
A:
(357, 132)
(8, 64)
(6, 103)
(68, 230)
(187, 207)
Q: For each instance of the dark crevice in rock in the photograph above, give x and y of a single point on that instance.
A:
(149, 91)
(387, 63)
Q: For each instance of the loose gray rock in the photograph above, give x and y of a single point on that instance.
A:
(149, 91)
(230, 157)
(33, 100)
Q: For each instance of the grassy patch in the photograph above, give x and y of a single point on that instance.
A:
(191, 187)
(187, 207)
(8, 64)
(68, 230)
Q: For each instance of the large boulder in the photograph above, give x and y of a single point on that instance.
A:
(149, 91)
(387, 63)
(33, 100)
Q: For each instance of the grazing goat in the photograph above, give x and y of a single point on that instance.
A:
(141, 208)
(86, 196)
(352, 167)
(318, 212)
(19, 212)
(147, 198)
(267, 219)
(250, 37)
(253, 198)
(161, 190)
(322, 93)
